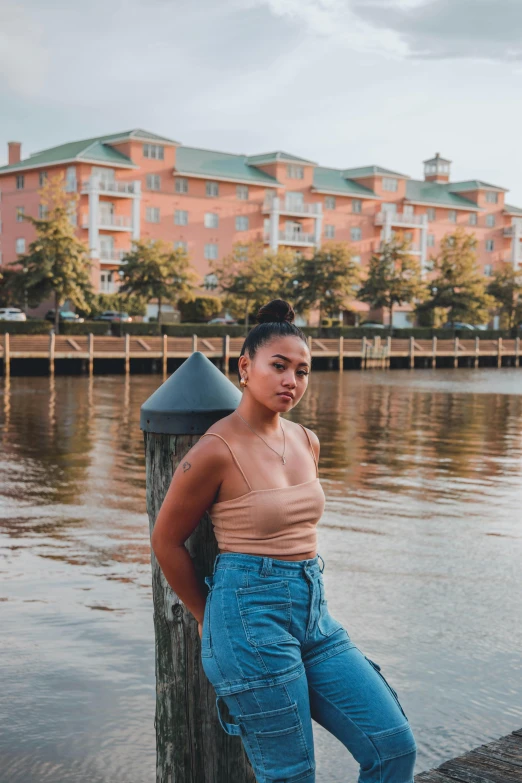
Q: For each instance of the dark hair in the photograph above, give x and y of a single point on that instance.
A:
(275, 319)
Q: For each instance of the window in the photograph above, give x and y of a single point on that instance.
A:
(42, 178)
(181, 185)
(241, 223)
(70, 179)
(356, 259)
(152, 215)
(210, 281)
(212, 189)
(20, 245)
(390, 183)
(490, 245)
(488, 270)
(490, 221)
(211, 252)
(355, 234)
(155, 151)
(329, 232)
(181, 217)
(242, 252)
(153, 182)
(20, 211)
(73, 214)
(43, 211)
(356, 206)
(294, 172)
(472, 220)
(491, 196)
(20, 182)
(452, 215)
(181, 246)
(431, 213)
(430, 240)
(242, 192)
(329, 202)
(211, 220)
(408, 210)
(294, 201)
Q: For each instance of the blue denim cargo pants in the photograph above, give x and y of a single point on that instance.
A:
(278, 659)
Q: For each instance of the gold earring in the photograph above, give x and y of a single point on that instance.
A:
(243, 382)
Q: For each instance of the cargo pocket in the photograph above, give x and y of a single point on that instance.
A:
(279, 737)
(326, 623)
(266, 612)
(206, 639)
(383, 678)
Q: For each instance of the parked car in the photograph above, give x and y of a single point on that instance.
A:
(222, 321)
(65, 315)
(12, 314)
(372, 325)
(113, 315)
(460, 326)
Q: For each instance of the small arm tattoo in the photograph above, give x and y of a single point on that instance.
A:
(186, 466)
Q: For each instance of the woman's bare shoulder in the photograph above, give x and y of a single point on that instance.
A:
(313, 437)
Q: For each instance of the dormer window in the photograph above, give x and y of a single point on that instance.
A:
(294, 172)
(390, 183)
(437, 169)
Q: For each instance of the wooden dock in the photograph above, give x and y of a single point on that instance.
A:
(499, 761)
(340, 353)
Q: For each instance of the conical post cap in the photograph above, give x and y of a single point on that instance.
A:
(195, 396)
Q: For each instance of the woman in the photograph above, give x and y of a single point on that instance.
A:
(269, 646)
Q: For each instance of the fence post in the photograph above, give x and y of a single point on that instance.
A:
(190, 742)
(456, 352)
(7, 356)
(477, 352)
(90, 344)
(164, 354)
(363, 353)
(433, 352)
(499, 352)
(226, 353)
(341, 353)
(194, 343)
(127, 353)
(387, 362)
(52, 338)
(412, 353)
(517, 351)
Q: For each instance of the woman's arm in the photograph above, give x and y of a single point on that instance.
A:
(193, 488)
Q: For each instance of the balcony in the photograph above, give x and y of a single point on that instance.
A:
(287, 207)
(109, 287)
(400, 219)
(112, 256)
(109, 187)
(293, 238)
(512, 231)
(110, 222)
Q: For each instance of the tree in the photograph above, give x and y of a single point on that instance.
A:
(458, 287)
(200, 309)
(394, 278)
(506, 288)
(57, 263)
(98, 303)
(327, 280)
(251, 275)
(153, 270)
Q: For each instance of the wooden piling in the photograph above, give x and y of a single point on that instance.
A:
(363, 353)
(477, 352)
(52, 338)
(341, 353)
(499, 352)
(164, 354)
(517, 351)
(194, 343)
(434, 352)
(7, 356)
(90, 345)
(226, 354)
(456, 352)
(412, 353)
(387, 362)
(127, 352)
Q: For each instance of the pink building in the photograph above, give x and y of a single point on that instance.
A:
(138, 184)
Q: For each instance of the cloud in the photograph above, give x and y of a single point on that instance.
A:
(23, 57)
(440, 29)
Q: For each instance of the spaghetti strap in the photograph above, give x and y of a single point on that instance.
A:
(233, 455)
(311, 447)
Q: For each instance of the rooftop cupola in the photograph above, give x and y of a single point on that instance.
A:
(437, 169)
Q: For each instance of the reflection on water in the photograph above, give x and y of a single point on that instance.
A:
(421, 536)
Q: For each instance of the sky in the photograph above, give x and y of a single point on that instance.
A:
(343, 83)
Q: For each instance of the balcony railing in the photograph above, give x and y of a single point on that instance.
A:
(109, 186)
(110, 221)
(109, 287)
(292, 238)
(399, 219)
(510, 231)
(112, 256)
(285, 206)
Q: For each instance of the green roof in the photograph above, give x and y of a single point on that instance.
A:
(512, 210)
(334, 181)
(437, 193)
(371, 171)
(97, 149)
(472, 184)
(273, 157)
(221, 165)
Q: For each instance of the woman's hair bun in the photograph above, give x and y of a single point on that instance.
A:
(276, 311)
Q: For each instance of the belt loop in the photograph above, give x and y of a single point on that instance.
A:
(216, 562)
(321, 569)
(230, 728)
(266, 567)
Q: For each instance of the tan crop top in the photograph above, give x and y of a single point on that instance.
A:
(281, 520)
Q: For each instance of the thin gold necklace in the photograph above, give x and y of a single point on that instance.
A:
(264, 441)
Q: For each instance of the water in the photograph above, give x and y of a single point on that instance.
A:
(422, 539)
